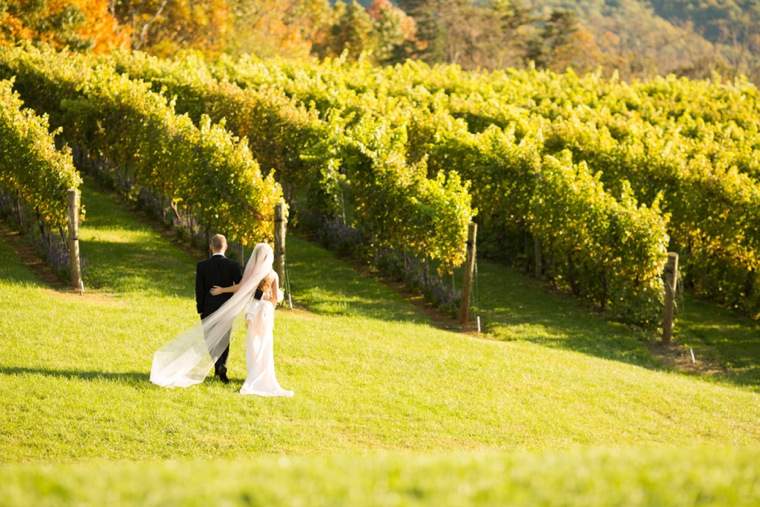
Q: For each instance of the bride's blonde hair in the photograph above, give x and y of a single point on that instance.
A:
(266, 283)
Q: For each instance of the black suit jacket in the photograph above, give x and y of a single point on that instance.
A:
(218, 270)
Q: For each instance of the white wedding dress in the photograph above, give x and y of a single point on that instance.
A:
(259, 348)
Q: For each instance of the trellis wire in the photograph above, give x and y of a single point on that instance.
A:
(287, 288)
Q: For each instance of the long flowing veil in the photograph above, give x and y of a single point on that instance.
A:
(188, 358)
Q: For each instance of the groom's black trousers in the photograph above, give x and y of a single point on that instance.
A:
(222, 361)
(223, 358)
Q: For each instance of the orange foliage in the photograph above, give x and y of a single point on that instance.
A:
(99, 27)
(408, 25)
(13, 29)
(102, 27)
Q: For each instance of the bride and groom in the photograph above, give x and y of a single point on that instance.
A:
(221, 295)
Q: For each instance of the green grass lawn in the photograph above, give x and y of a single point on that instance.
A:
(375, 384)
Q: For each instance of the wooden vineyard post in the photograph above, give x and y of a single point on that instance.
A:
(280, 227)
(241, 255)
(73, 215)
(671, 279)
(469, 268)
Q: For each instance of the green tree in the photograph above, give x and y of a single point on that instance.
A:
(351, 31)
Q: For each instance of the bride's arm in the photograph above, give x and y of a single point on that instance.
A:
(216, 290)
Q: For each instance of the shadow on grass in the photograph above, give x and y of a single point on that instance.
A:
(328, 285)
(125, 255)
(130, 377)
(12, 269)
(518, 309)
(139, 267)
(722, 337)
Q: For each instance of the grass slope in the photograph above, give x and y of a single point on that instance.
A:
(370, 376)
(726, 339)
(515, 309)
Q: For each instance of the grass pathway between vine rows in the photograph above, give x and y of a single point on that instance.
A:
(376, 387)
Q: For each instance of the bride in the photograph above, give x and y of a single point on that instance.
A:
(259, 355)
(187, 359)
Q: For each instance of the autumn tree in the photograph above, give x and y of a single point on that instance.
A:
(80, 25)
(101, 27)
(391, 28)
(266, 28)
(378, 32)
(350, 30)
(164, 27)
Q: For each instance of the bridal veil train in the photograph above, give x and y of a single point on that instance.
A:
(187, 359)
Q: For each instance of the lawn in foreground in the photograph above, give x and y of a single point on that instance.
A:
(370, 374)
(701, 476)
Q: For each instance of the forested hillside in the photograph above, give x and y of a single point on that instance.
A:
(690, 37)
(636, 38)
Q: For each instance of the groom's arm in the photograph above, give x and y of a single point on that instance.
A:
(200, 291)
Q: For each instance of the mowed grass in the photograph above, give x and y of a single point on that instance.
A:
(375, 385)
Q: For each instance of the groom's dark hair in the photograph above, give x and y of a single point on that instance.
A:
(218, 242)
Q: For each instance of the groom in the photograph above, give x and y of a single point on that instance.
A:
(221, 271)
